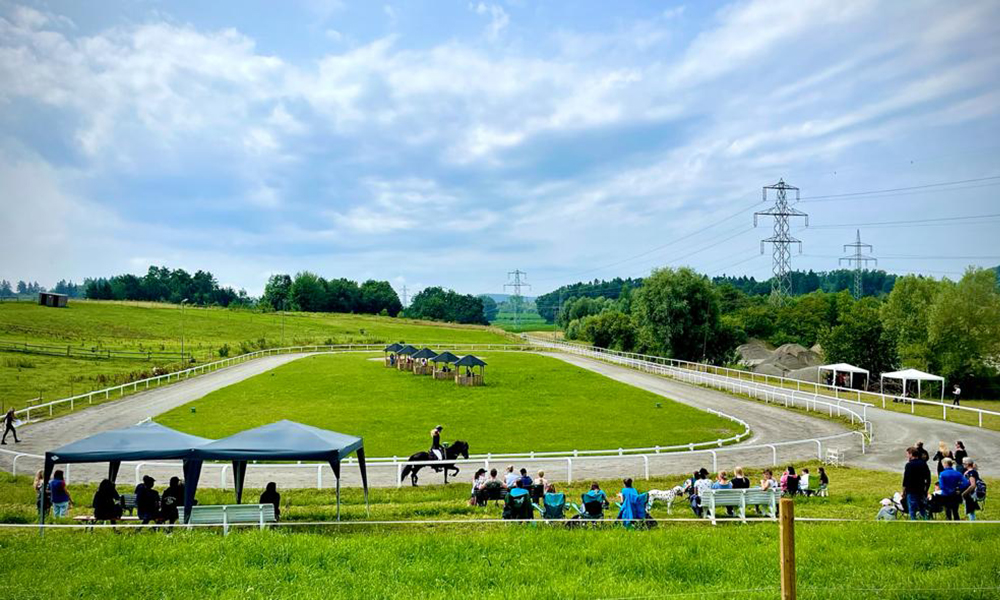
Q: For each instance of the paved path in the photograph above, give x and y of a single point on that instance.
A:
(769, 424)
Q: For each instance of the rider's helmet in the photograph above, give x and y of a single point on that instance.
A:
(438, 428)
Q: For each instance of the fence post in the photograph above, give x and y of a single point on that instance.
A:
(786, 548)
(13, 467)
(774, 456)
(569, 470)
(399, 475)
(715, 461)
(645, 465)
(819, 449)
(319, 476)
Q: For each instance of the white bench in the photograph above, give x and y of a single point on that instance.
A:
(714, 499)
(229, 514)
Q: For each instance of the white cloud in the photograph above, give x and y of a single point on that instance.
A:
(499, 19)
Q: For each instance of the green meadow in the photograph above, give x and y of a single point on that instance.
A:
(863, 559)
(530, 402)
(208, 333)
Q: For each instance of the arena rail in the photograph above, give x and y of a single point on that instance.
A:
(571, 462)
(782, 382)
(669, 367)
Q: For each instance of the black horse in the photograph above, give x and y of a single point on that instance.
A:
(456, 449)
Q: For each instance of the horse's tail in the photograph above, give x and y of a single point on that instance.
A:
(405, 473)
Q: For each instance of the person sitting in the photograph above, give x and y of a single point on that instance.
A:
(935, 501)
(147, 500)
(824, 481)
(492, 489)
(553, 504)
(524, 479)
(107, 503)
(594, 502)
(632, 507)
(767, 483)
(541, 480)
(517, 504)
(722, 483)
(790, 481)
(271, 496)
(804, 483)
(701, 485)
(436, 451)
(478, 481)
(510, 479)
(740, 481)
(172, 498)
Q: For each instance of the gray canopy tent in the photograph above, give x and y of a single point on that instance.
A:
(284, 440)
(145, 441)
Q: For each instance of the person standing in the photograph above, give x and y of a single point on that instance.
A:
(8, 426)
(960, 453)
(956, 394)
(59, 494)
(916, 482)
(952, 484)
(972, 492)
(942, 453)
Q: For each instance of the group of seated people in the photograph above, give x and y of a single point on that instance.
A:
(521, 496)
(789, 484)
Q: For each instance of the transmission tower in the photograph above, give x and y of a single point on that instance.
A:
(517, 284)
(781, 241)
(859, 260)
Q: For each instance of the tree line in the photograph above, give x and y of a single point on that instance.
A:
(310, 292)
(161, 284)
(874, 282)
(948, 328)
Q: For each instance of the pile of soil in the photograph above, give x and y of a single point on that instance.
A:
(784, 361)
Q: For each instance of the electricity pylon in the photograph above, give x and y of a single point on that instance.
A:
(517, 284)
(781, 241)
(860, 262)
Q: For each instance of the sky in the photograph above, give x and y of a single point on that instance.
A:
(449, 143)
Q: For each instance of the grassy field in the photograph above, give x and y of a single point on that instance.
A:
(208, 332)
(530, 402)
(835, 560)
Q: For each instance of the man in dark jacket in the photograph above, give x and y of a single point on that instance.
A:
(147, 500)
(916, 482)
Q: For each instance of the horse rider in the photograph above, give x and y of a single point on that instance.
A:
(437, 451)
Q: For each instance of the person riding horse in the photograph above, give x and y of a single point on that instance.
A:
(437, 451)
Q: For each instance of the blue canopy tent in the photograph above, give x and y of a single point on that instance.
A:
(284, 440)
(145, 441)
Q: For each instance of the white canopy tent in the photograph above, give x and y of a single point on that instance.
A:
(843, 368)
(912, 375)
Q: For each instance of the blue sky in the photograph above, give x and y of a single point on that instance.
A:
(447, 143)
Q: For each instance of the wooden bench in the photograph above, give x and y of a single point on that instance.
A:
(714, 499)
(229, 514)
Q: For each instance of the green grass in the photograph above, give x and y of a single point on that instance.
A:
(158, 327)
(530, 402)
(835, 560)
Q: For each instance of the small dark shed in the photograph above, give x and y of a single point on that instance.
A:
(53, 300)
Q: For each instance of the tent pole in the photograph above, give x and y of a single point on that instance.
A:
(338, 498)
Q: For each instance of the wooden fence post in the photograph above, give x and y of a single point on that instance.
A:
(786, 548)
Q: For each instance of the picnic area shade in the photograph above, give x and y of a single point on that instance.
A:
(445, 357)
(912, 375)
(392, 348)
(284, 440)
(470, 361)
(145, 441)
(407, 350)
(843, 368)
(425, 353)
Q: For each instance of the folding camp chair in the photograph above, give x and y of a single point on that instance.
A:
(553, 508)
(518, 506)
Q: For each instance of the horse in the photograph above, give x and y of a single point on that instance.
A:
(456, 449)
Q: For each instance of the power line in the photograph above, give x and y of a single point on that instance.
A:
(859, 260)
(899, 189)
(781, 241)
(909, 222)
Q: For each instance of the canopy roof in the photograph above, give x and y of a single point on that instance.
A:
(843, 367)
(284, 440)
(407, 350)
(470, 361)
(425, 353)
(445, 357)
(145, 441)
(912, 375)
(392, 348)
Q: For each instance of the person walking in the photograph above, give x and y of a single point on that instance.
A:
(952, 484)
(8, 426)
(916, 482)
(956, 394)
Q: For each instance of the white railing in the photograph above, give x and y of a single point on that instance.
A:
(783, 382)
(680, 370)
(571, 462)
(228, 362)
